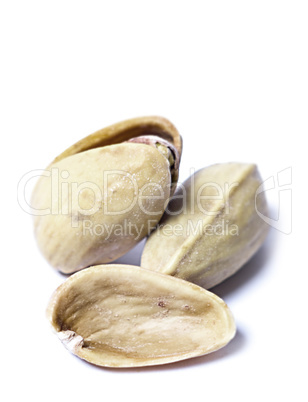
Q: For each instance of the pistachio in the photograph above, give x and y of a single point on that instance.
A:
(127, 316)
(211, 227)
(101, 196)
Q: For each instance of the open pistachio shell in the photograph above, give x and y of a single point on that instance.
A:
(127, 316)
(211, 227)
(101, 196)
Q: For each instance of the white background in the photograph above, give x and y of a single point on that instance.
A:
(232, 77)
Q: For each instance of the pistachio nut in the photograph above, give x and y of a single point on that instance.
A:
(211, 227)
(127, 316)
(101, 196)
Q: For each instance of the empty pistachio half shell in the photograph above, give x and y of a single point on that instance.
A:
(127, 316)
(211, 227)
(105, 193)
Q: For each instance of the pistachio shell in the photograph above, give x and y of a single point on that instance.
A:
(60, 232)
(211, 228)
(127, 316)
(109, 199)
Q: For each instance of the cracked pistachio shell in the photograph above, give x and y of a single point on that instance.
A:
(211, 227)
(102, 195)
(127, 316)
(110, 199)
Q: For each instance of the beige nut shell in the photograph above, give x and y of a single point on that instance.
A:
(217, 230)
(72, 227)
(127, 316)
(111, 199)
